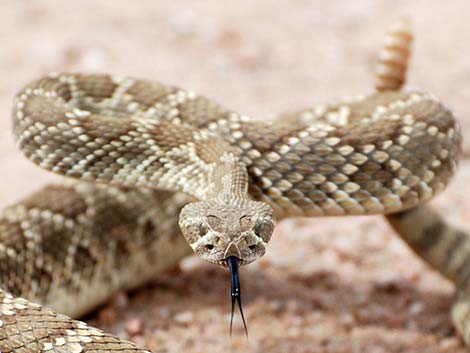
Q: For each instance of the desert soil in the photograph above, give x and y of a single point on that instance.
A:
(325, 285)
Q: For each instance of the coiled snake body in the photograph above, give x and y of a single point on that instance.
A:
(69, 247)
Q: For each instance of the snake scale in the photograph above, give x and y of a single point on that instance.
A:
(157, 157)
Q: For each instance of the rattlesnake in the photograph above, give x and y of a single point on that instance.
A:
(228, 177)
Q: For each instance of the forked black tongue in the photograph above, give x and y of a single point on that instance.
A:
(232, 262)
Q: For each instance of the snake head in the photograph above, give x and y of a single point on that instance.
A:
(216, 230)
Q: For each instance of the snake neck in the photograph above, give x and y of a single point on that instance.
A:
(229, 184)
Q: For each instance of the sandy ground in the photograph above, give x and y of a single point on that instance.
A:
(326, 285)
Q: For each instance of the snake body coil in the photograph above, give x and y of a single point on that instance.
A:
(385, 153)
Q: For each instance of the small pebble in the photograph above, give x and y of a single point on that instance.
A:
(184, 317)
(449, 344)
(190, 263)
(416, 308)
(134, 326)
(347, 319)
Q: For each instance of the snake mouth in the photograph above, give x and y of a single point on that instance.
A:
(225, 262)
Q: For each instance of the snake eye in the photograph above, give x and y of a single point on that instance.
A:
(258, 229)
(209, 247)
(203, 230)
(252, 247)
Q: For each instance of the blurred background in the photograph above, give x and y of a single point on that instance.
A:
(326, 285)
